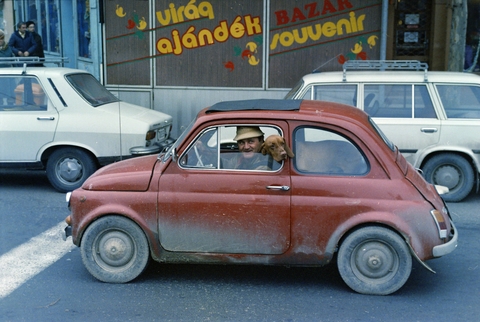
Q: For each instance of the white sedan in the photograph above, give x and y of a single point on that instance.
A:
(64, 121)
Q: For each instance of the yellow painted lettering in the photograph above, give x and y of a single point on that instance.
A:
(205, 37)
(329, 29)
(343, 23)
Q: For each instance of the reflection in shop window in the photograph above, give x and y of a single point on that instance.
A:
(46, 20)
(83, 17)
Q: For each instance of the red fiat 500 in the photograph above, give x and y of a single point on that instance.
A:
(274, 182)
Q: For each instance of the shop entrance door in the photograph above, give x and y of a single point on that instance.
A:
(412, 29)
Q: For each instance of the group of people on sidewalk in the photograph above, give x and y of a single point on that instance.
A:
(24, 42)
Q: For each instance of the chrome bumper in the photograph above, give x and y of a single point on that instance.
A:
(449, 247)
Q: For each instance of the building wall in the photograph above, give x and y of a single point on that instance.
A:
(188, 55)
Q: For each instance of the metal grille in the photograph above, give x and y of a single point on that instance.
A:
(412, 27)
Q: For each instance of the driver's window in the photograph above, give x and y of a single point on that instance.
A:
(232, 147)
(203, 153)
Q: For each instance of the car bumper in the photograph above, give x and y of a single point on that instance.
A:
(449, 247)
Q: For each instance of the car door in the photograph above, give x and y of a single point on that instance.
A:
(203, 207)
(406, 114)
(27, 119)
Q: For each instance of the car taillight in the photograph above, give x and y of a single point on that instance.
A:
(440, 221)
(150, 135)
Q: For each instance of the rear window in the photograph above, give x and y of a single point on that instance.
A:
(91, 90)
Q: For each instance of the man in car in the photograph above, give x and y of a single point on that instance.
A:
(249, 140)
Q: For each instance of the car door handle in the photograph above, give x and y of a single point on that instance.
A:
(45, 118)
(429, 129)
(283, 188)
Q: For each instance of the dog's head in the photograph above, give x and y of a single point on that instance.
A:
(275, 146)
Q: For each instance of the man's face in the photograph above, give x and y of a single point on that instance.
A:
(31, 28)
(22, 29)
(249, 146)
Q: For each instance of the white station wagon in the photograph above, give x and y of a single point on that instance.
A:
(63, 120)
(433, 117)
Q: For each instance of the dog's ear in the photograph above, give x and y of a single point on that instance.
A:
(263, 149)
(289, 152)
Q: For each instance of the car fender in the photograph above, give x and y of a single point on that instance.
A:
(400, 224)
(423, 155)
(48, 148)
(149, 228)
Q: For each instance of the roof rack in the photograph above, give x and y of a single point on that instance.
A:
(384, 65)
(25, 61)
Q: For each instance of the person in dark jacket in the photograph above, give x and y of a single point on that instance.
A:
(38, 40)
(22, 42)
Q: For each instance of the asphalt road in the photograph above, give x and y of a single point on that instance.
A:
(64, 291)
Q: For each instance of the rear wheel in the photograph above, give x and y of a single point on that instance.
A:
(68, 168)
(374, 260)
(452, 171)
(114, 249)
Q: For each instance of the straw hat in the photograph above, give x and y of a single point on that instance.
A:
(247, 132)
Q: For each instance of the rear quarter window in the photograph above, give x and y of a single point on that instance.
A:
(460, 101)
(320, 151)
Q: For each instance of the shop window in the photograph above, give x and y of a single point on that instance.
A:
(45, 15)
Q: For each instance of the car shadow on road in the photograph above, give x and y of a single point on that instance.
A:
(248, 275)
(19, 179)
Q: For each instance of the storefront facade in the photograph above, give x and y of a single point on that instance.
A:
(180, 56)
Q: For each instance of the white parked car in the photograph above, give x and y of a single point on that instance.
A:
(63, 120)
(433, 117)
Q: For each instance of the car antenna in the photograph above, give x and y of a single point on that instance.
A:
(316, 69)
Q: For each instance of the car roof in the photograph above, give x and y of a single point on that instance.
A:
(392, 76)
(282, 109)
(255, 104)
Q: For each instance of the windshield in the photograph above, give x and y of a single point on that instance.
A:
(290, 95)
(180, 139)
(90, 89)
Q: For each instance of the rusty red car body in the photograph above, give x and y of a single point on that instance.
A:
(176, 209)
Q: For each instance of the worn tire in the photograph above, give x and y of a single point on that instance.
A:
(68, 168)
(452, 171)
(374, 260)
(114, 249)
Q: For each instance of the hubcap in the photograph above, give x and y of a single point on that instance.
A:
(374, 259)
(447, 176)
(115, 249)
(70, 170)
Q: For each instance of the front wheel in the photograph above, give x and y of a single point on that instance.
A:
(374, 260)
(452, 171)
(68, 168)
(114, 249)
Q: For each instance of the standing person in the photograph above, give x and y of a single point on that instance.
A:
(22, 42)
(38, 40)
(6, 86)
(5, 50)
